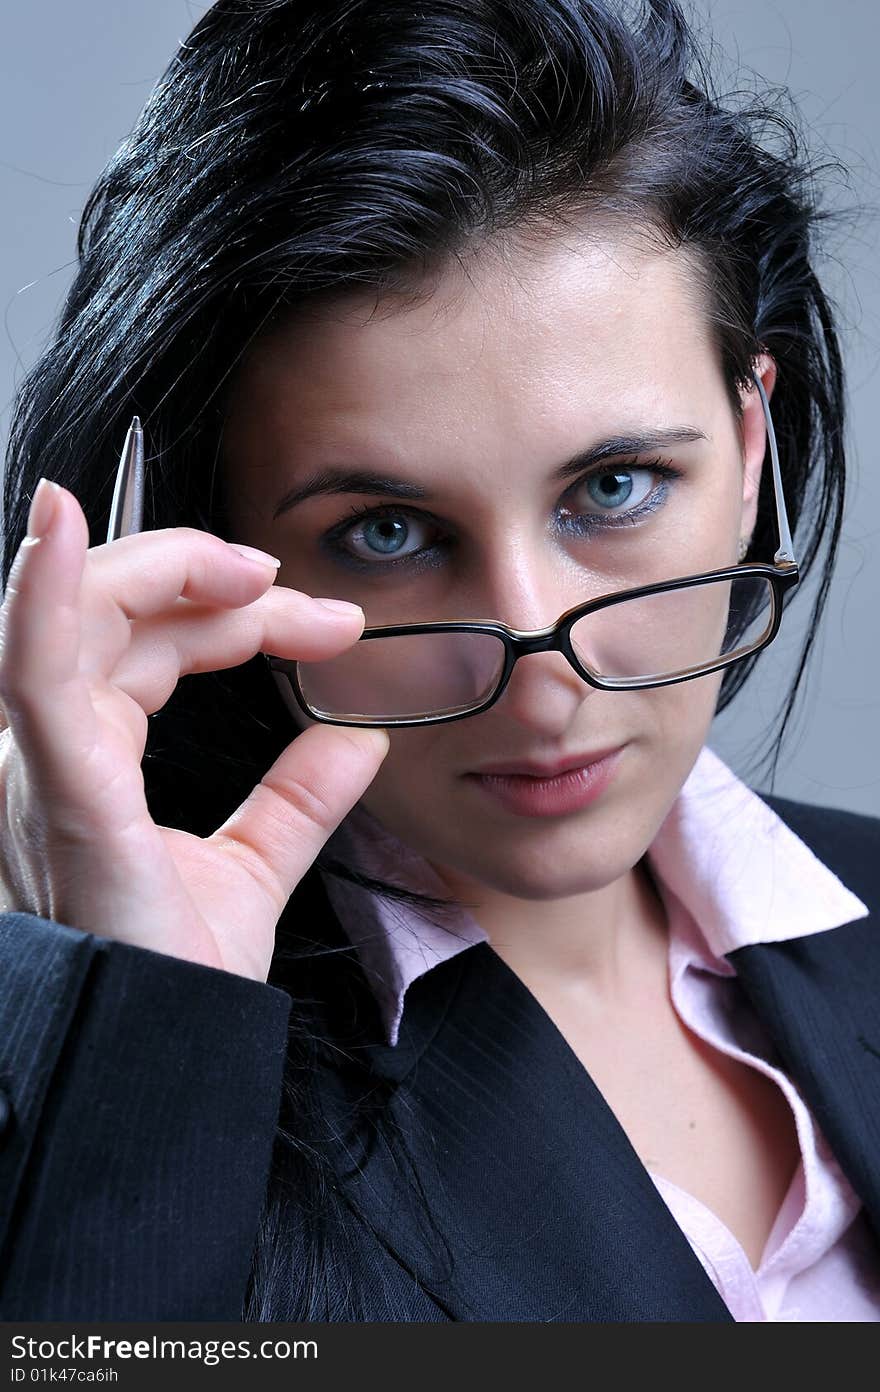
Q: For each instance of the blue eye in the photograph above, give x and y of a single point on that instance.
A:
(612, 488)
(381, 532)
(386, 534)
(380, 538)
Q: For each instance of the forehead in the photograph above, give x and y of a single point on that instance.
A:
(519, 325)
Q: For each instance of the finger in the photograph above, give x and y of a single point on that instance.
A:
(145, 573)
(280, 828)
(45, 698)
(192, 639)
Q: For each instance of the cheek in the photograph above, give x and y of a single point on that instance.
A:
(680, 724)
(417, 774)
(667, 727)
(706, 540)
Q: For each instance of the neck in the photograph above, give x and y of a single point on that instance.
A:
(605, 947)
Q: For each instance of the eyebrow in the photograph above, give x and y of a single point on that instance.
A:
(338, 480)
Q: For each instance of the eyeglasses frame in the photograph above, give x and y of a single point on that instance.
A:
(783, 574)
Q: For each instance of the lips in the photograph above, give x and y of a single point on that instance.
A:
(523, 795)
(530, 769)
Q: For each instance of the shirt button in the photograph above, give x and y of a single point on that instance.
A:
(5, 1113)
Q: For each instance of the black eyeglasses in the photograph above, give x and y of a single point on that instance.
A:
(652, 635)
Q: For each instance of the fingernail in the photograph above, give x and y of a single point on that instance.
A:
(42, 509)
(251, 553)
(340, 606)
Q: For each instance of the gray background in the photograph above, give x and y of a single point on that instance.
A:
(73, 78)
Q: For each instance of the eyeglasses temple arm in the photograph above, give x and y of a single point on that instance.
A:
(785, 552)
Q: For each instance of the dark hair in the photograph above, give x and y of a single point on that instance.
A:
(297, 148)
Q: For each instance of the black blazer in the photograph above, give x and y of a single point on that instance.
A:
(140, 1096)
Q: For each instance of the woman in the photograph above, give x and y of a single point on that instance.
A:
(471, 315)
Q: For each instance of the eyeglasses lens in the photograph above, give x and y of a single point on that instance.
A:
(628, 642)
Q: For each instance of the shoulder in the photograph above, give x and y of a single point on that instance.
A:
(847, 842)
(824, 821)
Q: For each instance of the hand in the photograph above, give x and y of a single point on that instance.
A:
(92, 642)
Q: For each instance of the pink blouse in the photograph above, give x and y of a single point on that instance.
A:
(730, 873)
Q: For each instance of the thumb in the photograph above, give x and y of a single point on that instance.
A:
(282, 825)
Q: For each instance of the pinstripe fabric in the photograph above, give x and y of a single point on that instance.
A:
(145, 1094)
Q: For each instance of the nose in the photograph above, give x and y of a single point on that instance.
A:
(528, 581)
(544, 692)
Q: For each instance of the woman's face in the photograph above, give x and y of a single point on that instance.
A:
(479, 395)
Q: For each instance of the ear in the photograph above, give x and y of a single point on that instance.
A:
(754, 437)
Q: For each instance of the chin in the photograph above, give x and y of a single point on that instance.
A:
(545, 881)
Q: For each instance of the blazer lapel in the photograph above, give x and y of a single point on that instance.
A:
(523, 1198)
(534, 1205)
(819, 997)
